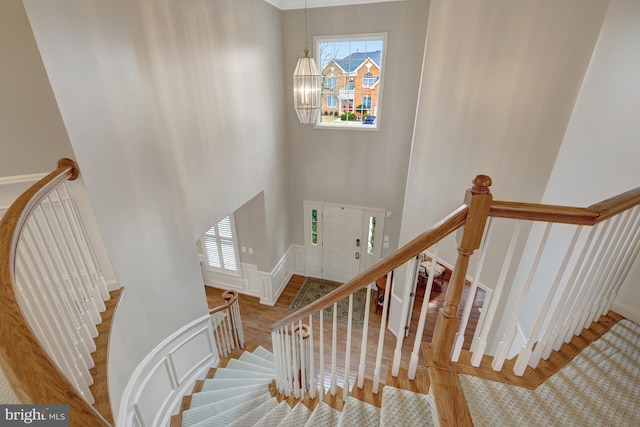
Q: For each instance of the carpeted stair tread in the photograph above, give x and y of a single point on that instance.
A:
(256, 360)
(242, 365)
(274, 417)
(223, 412)
(598, 387)
(359, 413)
(297, 417)
(404, 408)
(323, 416)
(229, 383)
(208, 397)
(264, 353)
(225, 373)
(204, 397)
(253, 416)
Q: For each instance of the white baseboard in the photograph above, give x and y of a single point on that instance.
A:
(156, 387)
(629, 312)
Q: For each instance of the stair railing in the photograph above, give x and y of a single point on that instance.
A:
(583, 287)
(227, 324)
(52, 293)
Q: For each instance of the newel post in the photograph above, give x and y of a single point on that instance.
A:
(478, 199)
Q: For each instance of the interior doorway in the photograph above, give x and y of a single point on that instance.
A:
(341, 241)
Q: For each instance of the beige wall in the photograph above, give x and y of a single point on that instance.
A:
(500, 81)
(600, 151)
(32, 134)
(159, 101)
(360, 168)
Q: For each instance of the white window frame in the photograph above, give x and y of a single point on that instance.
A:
(379, 83)
(218, 240)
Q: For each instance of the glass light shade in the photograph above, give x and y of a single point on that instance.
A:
(307, 87)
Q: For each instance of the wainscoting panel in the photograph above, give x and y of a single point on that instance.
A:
(157, 385)
(266, 285)
(187, 356)
(154, 393)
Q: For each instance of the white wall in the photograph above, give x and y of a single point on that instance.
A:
(600, 151)
(499, 83)
(32, 135)
(158, 98)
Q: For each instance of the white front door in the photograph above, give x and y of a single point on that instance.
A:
(342, 243)
(331, 240)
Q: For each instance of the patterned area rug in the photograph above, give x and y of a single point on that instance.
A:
(312, 289)
(599, 387)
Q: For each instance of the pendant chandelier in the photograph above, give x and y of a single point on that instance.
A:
(307, 84)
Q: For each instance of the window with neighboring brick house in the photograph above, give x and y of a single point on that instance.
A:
(353, 71)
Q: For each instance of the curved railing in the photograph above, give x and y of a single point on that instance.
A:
(227, 324)
(583, 284)
(39, 376)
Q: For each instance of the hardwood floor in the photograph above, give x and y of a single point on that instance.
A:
(257, 319)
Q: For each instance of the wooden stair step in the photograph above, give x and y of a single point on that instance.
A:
(419, 385)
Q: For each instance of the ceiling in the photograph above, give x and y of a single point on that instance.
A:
(300, 4)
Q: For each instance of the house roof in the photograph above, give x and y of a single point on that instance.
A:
(351, 63)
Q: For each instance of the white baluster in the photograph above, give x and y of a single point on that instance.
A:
(52, 336)
(505, 344)
(74, 270)
(466, 312)
(383, 328)
(85, 317)
(58, 310)
(631, 253)
(312, 371)
(347, 362)
(289, 361)
(321, 343)
(334, 347)
(294, 359)
(613, 261)
(83, 238)
(81, 257)
(480, 342)
(365, 335)
(587, 284)
(216, 338)
(413, 361)
(529, 354)
(81, 334)
(567, 304)
(236, 307)
(277, 357)
(413, 266)
(303, 357)
(602, 267)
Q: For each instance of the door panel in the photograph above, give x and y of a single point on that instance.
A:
(342, 232)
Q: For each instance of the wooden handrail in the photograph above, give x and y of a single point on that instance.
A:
(229, 298)
(590, 215)
(430, 237)
(32, 374)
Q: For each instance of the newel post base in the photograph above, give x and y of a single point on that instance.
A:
(478, 199)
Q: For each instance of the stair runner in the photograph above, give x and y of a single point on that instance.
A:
(238, 395)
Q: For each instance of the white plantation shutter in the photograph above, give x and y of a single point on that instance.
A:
(219, 246)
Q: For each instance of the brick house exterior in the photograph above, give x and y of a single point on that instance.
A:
(352, 85)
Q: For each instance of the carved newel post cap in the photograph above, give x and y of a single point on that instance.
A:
(481, 184)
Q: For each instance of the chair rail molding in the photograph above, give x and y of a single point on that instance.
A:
(13, 186)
